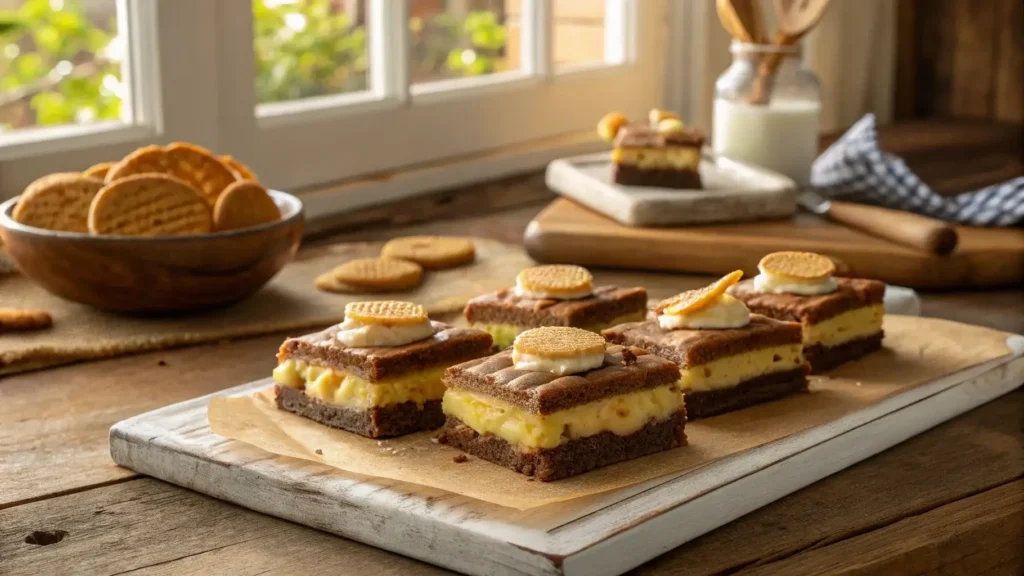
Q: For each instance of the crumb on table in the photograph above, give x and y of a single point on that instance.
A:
(460, 458)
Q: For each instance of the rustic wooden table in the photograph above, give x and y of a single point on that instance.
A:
(950, 501)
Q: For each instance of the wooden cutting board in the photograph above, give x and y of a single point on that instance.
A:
(569, 233)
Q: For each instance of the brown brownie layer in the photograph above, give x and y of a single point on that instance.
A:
(647, 136)
(377, 422)
(628, 175)
(822, 359)
(544, 392)
(446, 347)
(694, 347)
(754, 391)
(575, 456)
(606, 304)
(852, 293)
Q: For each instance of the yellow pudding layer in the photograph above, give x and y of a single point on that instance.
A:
(505, 334)
(350, 391)
(670, 157)
(622, 415)
(850, 325)
(731, 370)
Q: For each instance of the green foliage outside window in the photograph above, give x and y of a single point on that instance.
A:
(57, 66)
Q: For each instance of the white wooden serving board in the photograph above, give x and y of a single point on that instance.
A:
(733, 192)
(604, 534)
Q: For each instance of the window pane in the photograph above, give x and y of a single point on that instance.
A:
(60, 63)
(308, 48)
(458, 39)
(577, 32)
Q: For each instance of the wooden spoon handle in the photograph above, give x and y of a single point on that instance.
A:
(762, 89)
(906, 228)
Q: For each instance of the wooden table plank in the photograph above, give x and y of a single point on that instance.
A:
(975, 452)
(60, 417)
(977, 535)
(149, 527)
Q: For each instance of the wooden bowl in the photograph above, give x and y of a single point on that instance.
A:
(161, 275)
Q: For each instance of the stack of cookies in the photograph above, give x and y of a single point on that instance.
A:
(400, 265)
(171, 190)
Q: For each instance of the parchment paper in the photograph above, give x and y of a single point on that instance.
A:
(917, 351)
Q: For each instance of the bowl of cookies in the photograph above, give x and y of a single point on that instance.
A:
(167, 229)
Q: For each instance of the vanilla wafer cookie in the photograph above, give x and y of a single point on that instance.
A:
(431, 252)
(555, 281)
(145, 160)
(19, 320)
(242, 172)
(99, 170)
(192, 164)
(371, 275)
(200, 168)
(797, 265)
(243, 204)
(693, 300)
(58, 202)
(149, 205)
(386, 312)
(559, 342)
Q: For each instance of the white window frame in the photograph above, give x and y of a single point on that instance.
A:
(191, 79)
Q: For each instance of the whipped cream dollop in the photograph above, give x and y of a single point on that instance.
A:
(557, 366)
(540, 295)
(775, 284)
(361, 335)
(726, 312)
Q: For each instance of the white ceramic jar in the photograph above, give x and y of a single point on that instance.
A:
(781, 135)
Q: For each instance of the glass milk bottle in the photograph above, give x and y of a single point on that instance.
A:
(780, 135)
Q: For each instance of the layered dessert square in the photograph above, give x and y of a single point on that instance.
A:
(728, 358)
(662, 153)
(553, 296)
(841, 318)
(553, 415)
(372, 375)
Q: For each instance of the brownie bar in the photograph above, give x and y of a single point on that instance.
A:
(573, 457)
(606, 304)
(695, 347)
(754, 391)
(448, 346)
(823, 359)
(376, 422)
(852, 293)
(544, 392)
(629, 175)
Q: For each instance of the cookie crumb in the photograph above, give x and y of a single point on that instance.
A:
(440, 438)
(628, 358)
(460, 458)
(319, 452)
(161, 363)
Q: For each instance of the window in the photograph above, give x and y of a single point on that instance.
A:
(315, 92)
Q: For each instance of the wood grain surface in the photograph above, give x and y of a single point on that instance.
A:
(568, 232)
(931, 500)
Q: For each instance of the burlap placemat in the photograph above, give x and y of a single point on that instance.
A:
(288, 302)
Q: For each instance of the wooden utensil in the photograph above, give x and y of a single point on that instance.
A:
(743, 19)
(905, 228)
(795, 19)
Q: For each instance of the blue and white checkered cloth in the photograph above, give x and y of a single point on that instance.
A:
(855, 169)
